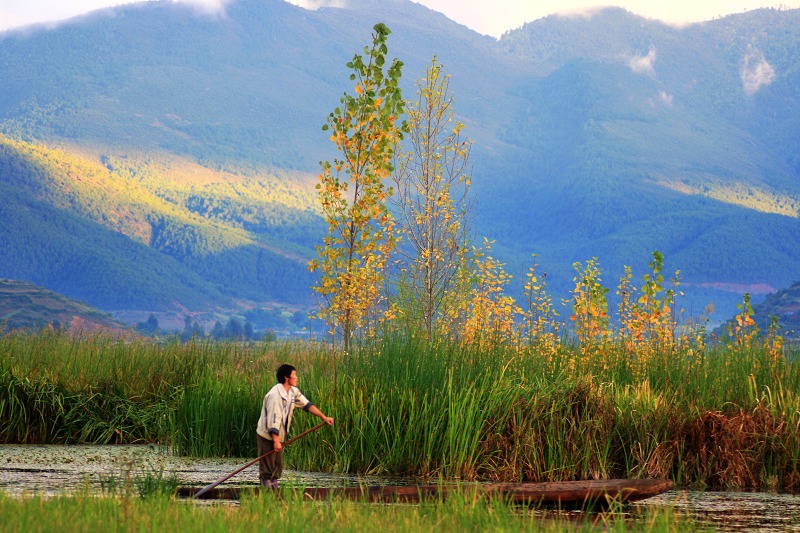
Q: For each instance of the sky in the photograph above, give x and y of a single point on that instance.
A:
(489, 17)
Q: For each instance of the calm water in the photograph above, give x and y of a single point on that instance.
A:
(54, 469)
(734, 511)
(51, 470)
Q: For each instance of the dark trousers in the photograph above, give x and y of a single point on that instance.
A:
(270, 467)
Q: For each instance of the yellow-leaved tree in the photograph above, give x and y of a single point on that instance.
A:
(491, 314)
(431, 203)
(366, 127)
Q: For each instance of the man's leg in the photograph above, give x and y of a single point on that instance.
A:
(270, 467)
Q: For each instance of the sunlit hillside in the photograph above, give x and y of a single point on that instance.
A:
(155, 157)
(154, 232)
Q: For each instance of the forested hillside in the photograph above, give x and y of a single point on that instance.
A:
(151, 233)
(154, 157)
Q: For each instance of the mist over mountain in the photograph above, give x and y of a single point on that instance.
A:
(156, 157)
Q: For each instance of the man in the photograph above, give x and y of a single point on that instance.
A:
(275, 420)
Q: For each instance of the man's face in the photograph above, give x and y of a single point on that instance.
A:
(293, 379)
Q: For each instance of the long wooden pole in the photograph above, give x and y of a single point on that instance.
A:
(254, 461)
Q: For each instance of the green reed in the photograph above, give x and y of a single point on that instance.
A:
(217, 416)
(59, 389)
(45, 411)
(445, 411)
(723, 419)
(288, 512)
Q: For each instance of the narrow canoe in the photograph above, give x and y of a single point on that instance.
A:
(561, 493)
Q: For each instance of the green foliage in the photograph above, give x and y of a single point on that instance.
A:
(288, 511)
(424, 409)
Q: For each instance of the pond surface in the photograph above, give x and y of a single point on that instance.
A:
(51, 470)
(733, 511)
(55, 469)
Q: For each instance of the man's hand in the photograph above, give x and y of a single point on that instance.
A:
(328, 420)
(276, 443)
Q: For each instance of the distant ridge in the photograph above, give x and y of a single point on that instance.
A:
(784, 305)
(26, 306)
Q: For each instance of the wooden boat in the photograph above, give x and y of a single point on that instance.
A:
(562, 493)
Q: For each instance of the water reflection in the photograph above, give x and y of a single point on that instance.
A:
(734, 511)
(51, 470)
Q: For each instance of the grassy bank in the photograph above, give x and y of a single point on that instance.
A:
(287, 513)
(721, 418)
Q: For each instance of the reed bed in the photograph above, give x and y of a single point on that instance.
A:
(289, 513)
(723, 418)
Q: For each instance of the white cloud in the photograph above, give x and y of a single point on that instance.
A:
(755, 72)
(662, 100)
(643, 64)
(313, 5)
(210, 6)
(584, 12)
(51, 12)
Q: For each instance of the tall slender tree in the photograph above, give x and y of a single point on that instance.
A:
(366, 127)
(431, 202)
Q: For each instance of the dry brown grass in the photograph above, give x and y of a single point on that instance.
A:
(737, 450)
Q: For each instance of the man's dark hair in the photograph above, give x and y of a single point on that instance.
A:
(283, 373)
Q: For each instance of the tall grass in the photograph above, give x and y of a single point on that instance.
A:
(726, 418)
(55, 388)
(216, 416)
(447, 411)
(287, 512)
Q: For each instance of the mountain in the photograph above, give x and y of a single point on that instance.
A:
(26, 306)
(136, 233)
(661, 138)
(156, 157)
(784, 307)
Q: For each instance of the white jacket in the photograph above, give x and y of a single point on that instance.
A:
(276, 412)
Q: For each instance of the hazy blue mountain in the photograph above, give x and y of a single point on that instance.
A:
(662, 138)
(608, 136)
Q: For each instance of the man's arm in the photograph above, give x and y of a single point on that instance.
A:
(316, 412)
